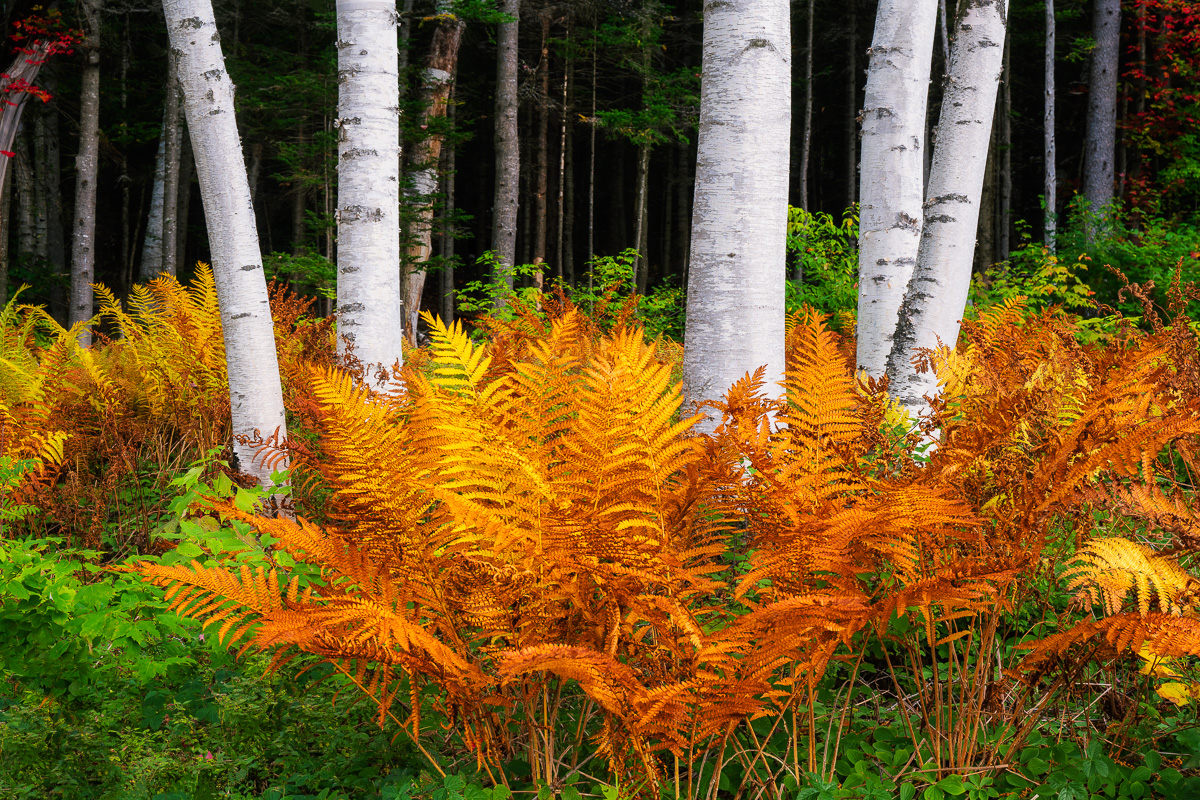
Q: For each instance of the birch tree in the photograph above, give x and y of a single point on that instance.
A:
(255, 394)
(508, 147)
(937, 291)
(370, 304)
(735, 308)
(87, 168)
(891, 190)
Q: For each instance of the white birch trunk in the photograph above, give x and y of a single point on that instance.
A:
(891, 186)
(937, 292)
(735, 308)
(87, 169)
(152, 251)
(255, 394)
(370, 304)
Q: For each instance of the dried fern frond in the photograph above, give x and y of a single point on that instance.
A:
(1163, 635)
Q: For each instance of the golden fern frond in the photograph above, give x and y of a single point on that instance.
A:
(1110, 570)
(459, 364)
(216, 595)
(822, 394)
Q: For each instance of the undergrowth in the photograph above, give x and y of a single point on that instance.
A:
(521, 563)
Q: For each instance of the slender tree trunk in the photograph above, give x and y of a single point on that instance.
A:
(5, 217)
(255, 393)
(49, 161)
(299, 198)
(1050, 182)
(542, 154)
(937, 292)
(127, 221)
(370, 301)
(735, 307)
(187, 172)
(806, 136)
(591, 222)
(569, 192)
(559, 249)
(23, 185)
(1004, 168)
(891, 189)
(87, 169)
(41, 203)
(152, 240)
(852, 107)
(425, 156)
(1100, 143)
(448, 230)
(171, 159)
(641, 266)
(985, 237)
(508, 153)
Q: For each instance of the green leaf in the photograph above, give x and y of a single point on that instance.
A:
(933, 793)
(951, 784)
(189, 550)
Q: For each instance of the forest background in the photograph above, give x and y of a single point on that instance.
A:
(608, 98)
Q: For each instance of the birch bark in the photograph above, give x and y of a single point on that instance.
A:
(735, 309)
(255, 394)
(370, 304)
(937, 292)
(151, 263)
(893, 138)
(508, 153)
(87, 168)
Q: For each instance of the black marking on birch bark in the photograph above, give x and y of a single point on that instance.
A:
(348, 270)
(191, 22)
(349, 337)
(351, 308)
(952, 197)
(240, 316)
(213, 74)
(250, 268)
(906, 223)
(352, 153)
(940, 218)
